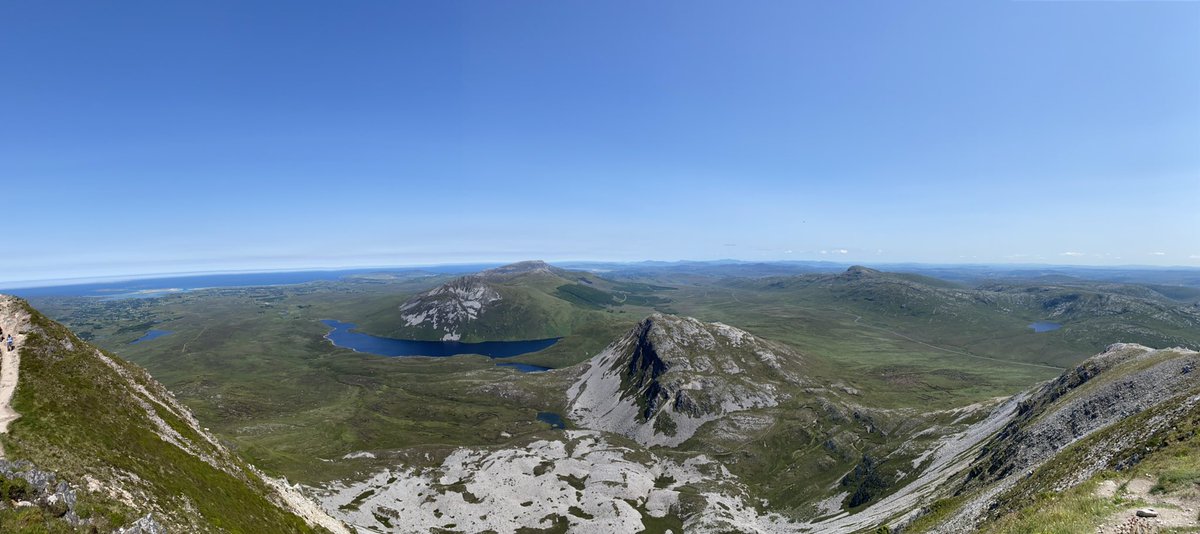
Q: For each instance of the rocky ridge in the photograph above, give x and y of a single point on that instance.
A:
(1108, 410)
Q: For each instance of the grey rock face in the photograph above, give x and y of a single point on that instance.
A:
(144, 525)
(1158, 387)
(669, 375)
(45, 491)
(1085, 399)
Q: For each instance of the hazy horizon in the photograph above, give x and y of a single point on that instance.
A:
(131, 276)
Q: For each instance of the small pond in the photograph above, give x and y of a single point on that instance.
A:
(152, 334)
(1042, 326)
(552, 419)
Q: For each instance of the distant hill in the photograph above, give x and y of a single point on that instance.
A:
(525, 300)
(1092, 314)
(99, 444)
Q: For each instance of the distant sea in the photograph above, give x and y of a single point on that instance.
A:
(149, 287)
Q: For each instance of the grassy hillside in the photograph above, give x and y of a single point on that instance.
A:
(86, 420)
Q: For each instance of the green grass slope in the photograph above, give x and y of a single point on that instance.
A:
(111, 426)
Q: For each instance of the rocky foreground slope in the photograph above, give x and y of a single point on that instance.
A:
(100, 445)
(1108, 414)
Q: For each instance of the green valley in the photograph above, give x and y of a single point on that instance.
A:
(886, 366)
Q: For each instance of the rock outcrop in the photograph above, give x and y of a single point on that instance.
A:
(448, 307)
(1082, 400)
(669, 375)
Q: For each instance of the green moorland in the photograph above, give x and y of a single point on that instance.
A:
(253, 365)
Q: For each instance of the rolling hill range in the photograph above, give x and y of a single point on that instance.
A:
(988, 322)
(98, 444)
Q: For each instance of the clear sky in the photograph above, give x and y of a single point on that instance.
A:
(145, 137)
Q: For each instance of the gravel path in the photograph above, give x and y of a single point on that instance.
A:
(1175, 512)
(14, 321)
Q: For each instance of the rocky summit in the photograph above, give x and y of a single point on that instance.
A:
(669, 375)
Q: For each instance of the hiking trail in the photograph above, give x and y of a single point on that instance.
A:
(14, 321)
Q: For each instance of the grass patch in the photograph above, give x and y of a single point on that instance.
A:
(1070, 512)
(1174, 480)
(585, 296)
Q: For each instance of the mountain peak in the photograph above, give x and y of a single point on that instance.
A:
(521, 267)
(669, 375)
(523, 300)
(858, 271)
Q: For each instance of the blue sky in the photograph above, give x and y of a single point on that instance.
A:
(147, 137)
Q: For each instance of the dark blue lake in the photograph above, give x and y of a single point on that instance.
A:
(552, 419)
(1041, 326)
(343, 336)
(152, 334)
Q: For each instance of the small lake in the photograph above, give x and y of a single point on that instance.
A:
(343, 336)
(552, 419)
(152, 334)
(1042, 326)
